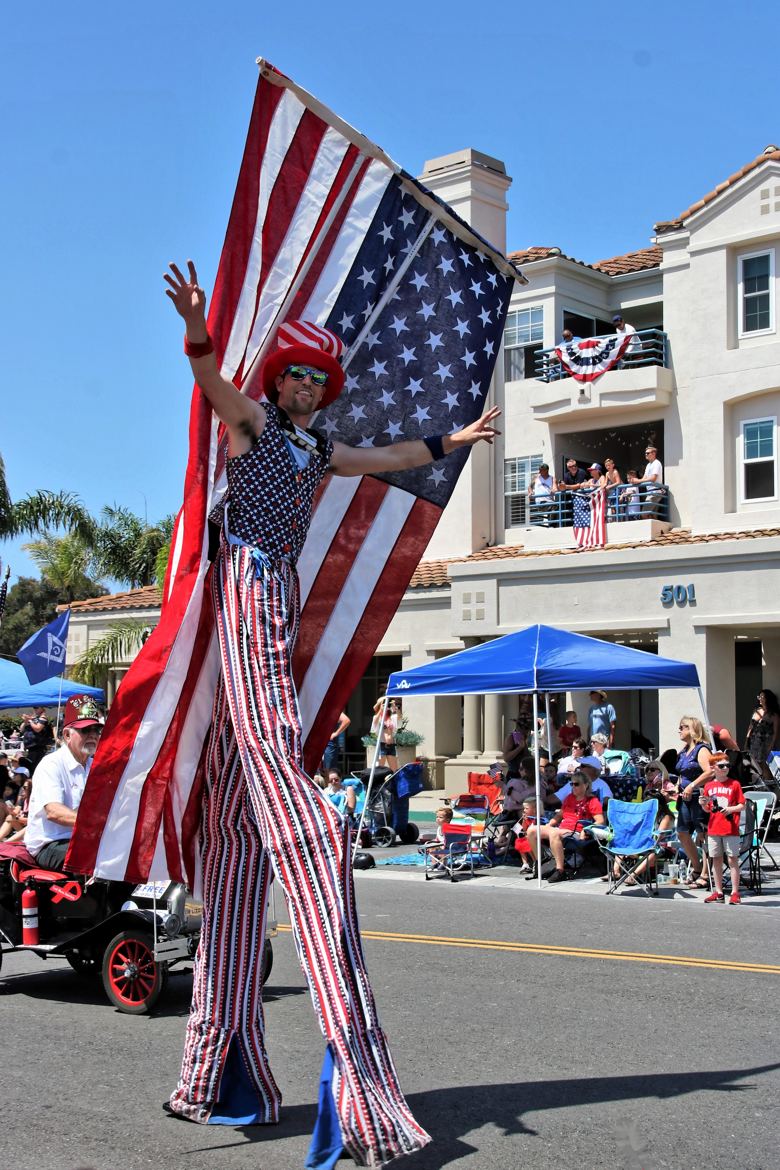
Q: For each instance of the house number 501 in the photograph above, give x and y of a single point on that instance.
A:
(678, 595)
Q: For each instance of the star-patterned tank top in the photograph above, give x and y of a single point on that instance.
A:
(270, 497)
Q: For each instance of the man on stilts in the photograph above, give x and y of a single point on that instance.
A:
(262, 814)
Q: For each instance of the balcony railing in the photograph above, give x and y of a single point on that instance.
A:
(651, 349)
(625, 501)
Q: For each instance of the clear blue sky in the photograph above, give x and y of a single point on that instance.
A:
(123, 129)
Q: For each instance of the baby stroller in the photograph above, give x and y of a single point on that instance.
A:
(387, 804)
(622, 774)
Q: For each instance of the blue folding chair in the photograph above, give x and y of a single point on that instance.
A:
(631, 839)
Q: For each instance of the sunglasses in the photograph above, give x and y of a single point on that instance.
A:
(724, 766)
(298, 373)
(578, 783)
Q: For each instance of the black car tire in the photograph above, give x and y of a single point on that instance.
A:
(267, 961)
(87, 965)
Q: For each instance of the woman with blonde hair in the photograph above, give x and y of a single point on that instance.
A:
(694, 769)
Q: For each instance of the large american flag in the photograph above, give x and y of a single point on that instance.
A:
(590, 517)
(324, 227)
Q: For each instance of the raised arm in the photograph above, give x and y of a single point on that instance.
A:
(413, 452)
(243, 417)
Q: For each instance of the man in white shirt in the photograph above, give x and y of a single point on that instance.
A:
(58, 784)
(623, 329)
(541, 493)
(653, 479)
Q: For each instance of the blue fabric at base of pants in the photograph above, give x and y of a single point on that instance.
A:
(326, 1144)
(237, 1102)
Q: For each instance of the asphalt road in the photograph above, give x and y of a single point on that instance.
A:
(529, 1034)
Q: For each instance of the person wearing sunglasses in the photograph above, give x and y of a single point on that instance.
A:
(693, 769)
(723, 799)
(254, 764)
(578, 808)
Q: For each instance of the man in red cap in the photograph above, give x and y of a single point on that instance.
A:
(59, 781)
(262, 814)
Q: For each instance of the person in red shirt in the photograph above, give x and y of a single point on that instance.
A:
(579, 807)
(724, 801)
(570, 731)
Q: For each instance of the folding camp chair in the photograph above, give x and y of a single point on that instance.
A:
(451, 856)
(750, 844)
(766, 804)
(483, 786)
(631, 840)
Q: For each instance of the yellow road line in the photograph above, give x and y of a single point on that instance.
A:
(487, 944)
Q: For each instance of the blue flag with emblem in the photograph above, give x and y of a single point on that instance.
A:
(43, 654)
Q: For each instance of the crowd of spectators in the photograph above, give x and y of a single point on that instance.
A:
(695, 785)
(635, 497)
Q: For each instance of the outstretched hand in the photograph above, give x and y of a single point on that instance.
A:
(478, 431)
(188, 297)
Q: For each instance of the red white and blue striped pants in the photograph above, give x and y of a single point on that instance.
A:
(262, 814)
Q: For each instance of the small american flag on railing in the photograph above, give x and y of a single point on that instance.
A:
(590, 518)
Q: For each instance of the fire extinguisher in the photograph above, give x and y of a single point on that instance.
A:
(30, 933)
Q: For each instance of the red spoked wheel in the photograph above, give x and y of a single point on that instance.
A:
(131, 978)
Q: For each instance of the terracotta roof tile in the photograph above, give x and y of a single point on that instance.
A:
(531, 255)
(430, 573)
(772, 153)
(147, 597)
(615, 266)
(631, 262)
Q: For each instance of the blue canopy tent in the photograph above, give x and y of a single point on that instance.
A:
(538, 660)
(541, 659)
(16, 691)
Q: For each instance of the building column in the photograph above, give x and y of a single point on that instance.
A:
(493, 741)
(472, 726)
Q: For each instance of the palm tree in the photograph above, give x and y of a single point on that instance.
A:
(127, 549)
(117, 645)
(66, 563)
(40, 510)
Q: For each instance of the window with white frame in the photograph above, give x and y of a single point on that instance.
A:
(518, 473)
(756, 293)
(758, 459)
(523, 335)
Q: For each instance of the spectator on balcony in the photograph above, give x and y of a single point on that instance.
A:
(573, 477)
(595, 477)
(623, 329)
(653, 483)
(541, 492)
(602, 717)
(629, 498)
(556, 369)
(612, 481)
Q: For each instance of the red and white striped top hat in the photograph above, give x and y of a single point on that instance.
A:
(304, 343)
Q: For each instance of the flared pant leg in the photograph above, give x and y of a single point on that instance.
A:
(226, 1017)
(256, 607)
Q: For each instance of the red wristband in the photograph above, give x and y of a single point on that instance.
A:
(198, 349)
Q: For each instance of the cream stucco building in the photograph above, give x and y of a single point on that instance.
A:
(699, 579)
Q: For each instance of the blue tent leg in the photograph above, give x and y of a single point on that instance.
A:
(326, 1143)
